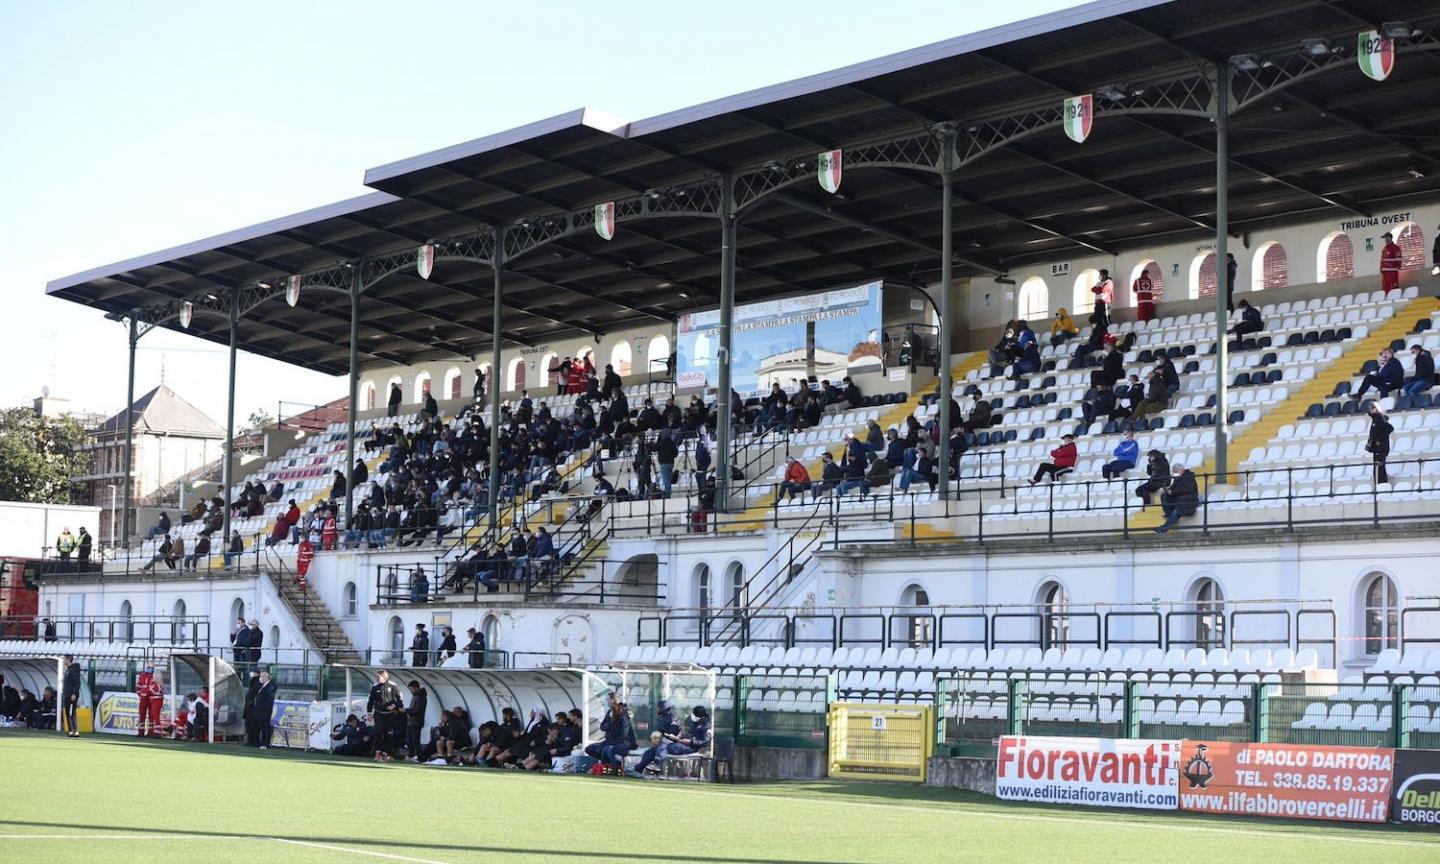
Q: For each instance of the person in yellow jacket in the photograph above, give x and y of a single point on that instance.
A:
(65, 544)
(1063, 328)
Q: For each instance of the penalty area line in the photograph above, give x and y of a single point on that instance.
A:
(350, 850)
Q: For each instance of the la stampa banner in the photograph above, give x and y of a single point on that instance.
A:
(1091, 772)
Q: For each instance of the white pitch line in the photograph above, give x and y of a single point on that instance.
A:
(352, 851)
(115, 837)
(966, 810)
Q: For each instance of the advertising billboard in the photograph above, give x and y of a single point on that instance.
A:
(1298, 781)
(771, 341)
(1417, 788)
(1092, 772)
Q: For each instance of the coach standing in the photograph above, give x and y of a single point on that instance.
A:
(384, 707)
(264, 709)
(70, 697)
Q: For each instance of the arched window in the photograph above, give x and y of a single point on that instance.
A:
(422, 387)
(1336, 258)
(704, 601)
(127, 626)
(352, 600)
(657, 354)
(1157, 279)
(918, 633)
(546, 362)
(1209, 614)
(1412, 246)
(620, 357)
(1270, 268)
(452, 383)
(734, 586)
(367, 395)
(1381, 613)
(237, 609)
(1202, 276)
(1084, 302)
(1054, 615)
(515, 375)
(491, 628)
(177, 628)
(1034, 300)
(583, 352)
(393, 382)
(275, 641)
(396, 629)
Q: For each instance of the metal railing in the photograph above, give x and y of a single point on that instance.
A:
(163, 630)
(588, 579)
(131, 566)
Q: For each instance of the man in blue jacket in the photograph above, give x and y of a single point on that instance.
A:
(695, 739)
(1127, 454)
(1424, 377)
(1388, 377)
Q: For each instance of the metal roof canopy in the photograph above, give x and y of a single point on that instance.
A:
(1309, 136)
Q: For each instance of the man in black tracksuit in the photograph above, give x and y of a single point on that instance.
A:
(384, 707)
(414, 721)
(70, 696)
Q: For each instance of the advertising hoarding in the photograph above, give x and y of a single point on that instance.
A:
(1091, 772)
(1416, 799)
(1299, 781)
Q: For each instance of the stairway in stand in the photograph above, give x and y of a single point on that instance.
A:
(315, 619)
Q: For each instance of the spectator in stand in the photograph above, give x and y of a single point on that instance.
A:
(1422, 379)
(475, 648)
(277, 490)
(878, 475)
(84, 544)
(420, 644)
(420, 593)
(1144, 296)
(414, 720)
(665, 453)
(1099, 402)
(477, 393)
(1127, 454)
(1062, 461)
(1182, 499)
(695, 739)
(161, 526)
(874, 438)
(1250, 321)
(385, 707)
(337, 488)
(393, 406)
(1171, 376)
(1391, 259)
(1157, 395)
(201, 550)
(279, 532)
(853, 465)
(1063, 328)
(851, 393)
(830, 474)
(1005, 352)
(432, 408)
(162, 553)
(1232, 267)
(543, 553)
(1378, 444)
(44, 715)
(1104, 291)
(894, 447)
(1112, 368)
(1390, 376)
(918, 465)
(796, 482)
(981, 413)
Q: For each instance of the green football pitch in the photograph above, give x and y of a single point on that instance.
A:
(118, 800)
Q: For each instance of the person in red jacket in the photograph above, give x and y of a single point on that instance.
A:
(329, 531)
(1390, 260)
(292, 521)
(1144, 297)
(1062, 461)
(152, 698)
(303, 557)
(797, 480)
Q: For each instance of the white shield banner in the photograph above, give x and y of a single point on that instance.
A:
(425, 260)
(605, 220)
(187, 311)
(292, 290)
(828, 170)
(1079, 113)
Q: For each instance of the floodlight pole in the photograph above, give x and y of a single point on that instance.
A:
(1222, 270)
(947, 207)
(723, 408)
(227, 469)
(129, 437)
(355, 285)
(498, 265)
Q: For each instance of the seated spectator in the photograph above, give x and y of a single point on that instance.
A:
(1171, 376)
(201, 551)
(1423, 377)
(1249, 322)
(830, 474)
(1063, 327)
(1181, 499)
(277, 489)
(1157, 396)
(1062, 461)
(852, 466)
(619, 735)
(878, 475)
(851, 393)
(981, 414)
(918, 465)
(1004, 353)
(1390, 376)
(1157, 469)
(544, 554)
(1027, 360)
(796, 482)
(162, 553)
(874, 438)
(44, 714)
(1099, 402)
(337, 489)
(695, 739)
(1127, 454)
(1112, 369)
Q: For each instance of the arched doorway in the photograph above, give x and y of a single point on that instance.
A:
(639, 578)
(1083, 302)
(919, 628)
(1034, 300)
(1380, 613)
(1054, 609)
(1270, 268)
(1209, 609)
(1202, 276)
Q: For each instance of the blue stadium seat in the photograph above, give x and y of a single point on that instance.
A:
(1237, 416)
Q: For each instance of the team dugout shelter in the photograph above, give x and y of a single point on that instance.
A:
(1110, 125)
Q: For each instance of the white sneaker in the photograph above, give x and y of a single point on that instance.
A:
(263, 747)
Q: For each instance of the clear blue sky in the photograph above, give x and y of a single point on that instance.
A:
(130, 127)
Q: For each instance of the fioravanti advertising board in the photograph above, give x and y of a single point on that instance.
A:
(1090, 772)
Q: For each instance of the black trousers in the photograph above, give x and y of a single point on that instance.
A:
(412, 739)
(382, 732)
(1380, 457)
(264, 730)
(68, 708)
(1050, 469)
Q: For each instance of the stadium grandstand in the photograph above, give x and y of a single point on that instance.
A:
(1074, 377)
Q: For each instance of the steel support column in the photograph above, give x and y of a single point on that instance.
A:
(496, 313)
(355, 284)
(947, 207)
(227, 478)
(129, 437)
(724, 428)
(1222, 271)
